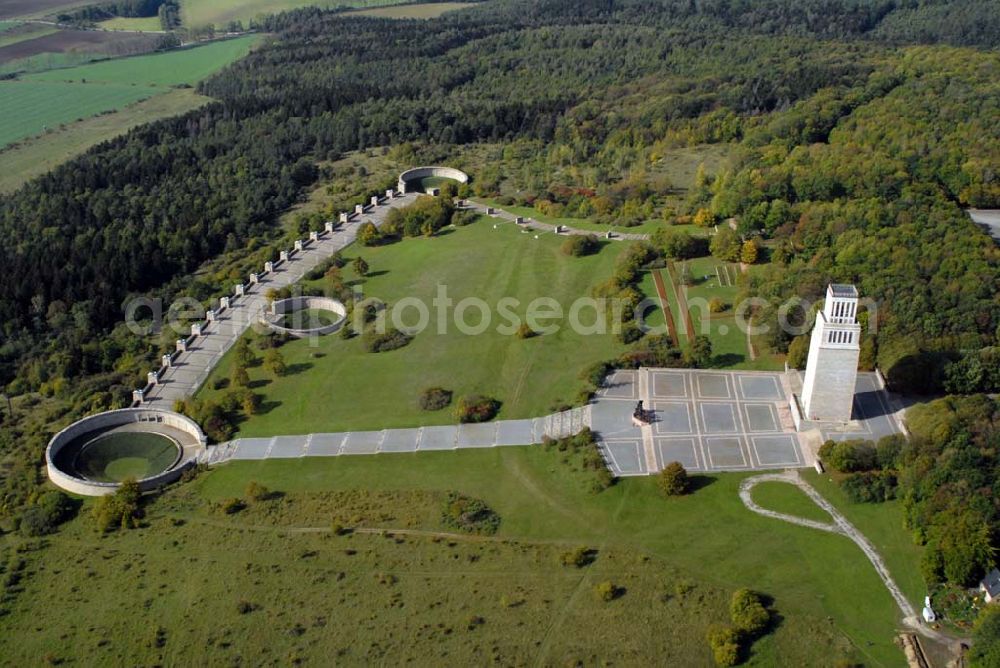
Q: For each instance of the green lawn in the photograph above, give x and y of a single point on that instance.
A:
(145, 24)
(360, 390)
(423, 10)
(28, 108)
(882, 523)
(171, 592)
(789, 499)
(182, 66)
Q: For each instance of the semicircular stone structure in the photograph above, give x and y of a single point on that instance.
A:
(425, 172)
(184, 431)
(283, 307)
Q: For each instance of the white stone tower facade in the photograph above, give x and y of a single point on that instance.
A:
(832, 367)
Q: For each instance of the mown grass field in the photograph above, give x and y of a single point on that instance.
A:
(146, 24)
(424, 10)
(195, 13)
(182, 66)
(28, 108)
(789, 499)
(362, 390)
(273, 584)
(36, 155)
(647, 227)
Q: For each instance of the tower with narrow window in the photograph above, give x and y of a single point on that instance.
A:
(832, 367)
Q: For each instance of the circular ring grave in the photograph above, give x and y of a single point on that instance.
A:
(94, 455)
(306, 316)
(426, 179)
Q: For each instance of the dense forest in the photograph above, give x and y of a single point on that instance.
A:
(859, 131)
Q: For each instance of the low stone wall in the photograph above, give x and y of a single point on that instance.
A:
(292, 304)
(108, 420)
(425, 172)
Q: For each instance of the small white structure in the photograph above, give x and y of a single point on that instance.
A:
(182, 345)
(268, 267)
(137, 396)
(166, 361)
(374, 200)
(434, 192)
(990, 585)
(223, 303)
(609, 235)
(298, 245)
(283, 255)
(390, 193)
(314, 236)
(560, 229)
(359, 209)
(344, 217)
(254, 278)
(490, 211)
(151, 378)
(195, 329)
(832, 366)
(328, 226)
(210, 315)
(239, 290)
(928, 611)
(519, 220)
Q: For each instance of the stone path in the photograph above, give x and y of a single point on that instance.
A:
(190, 368)
(839, 525)
(422, 439)
(532, 224)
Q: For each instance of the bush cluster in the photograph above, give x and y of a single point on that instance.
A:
(469, 515)
(476, 408)
(583, 446)
(435, 398)
(375, 342)
(749, 618)
(578, 245)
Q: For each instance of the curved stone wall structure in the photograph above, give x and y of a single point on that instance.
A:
(151, 419)
(424, 172)
(283, 307)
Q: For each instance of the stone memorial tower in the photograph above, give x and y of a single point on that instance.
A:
(832, 367)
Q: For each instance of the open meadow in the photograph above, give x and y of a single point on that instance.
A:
(195, 13)
(272, 582)
(363, 390)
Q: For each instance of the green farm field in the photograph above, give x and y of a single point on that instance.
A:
(423, 10)
(195, 13)
(37, 155)
(144, 24)
(530, 377)
(274, 583)
(181, 66)
(27, 108)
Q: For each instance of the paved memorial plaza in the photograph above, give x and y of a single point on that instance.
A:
(717, 420)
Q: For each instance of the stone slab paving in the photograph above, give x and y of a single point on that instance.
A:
(190, 369)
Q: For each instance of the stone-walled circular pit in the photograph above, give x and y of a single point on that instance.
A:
(306, 316)
(93, 455)
(415, 179)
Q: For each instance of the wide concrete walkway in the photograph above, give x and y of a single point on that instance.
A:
(189, 369)
(532, 224)
(416, 439)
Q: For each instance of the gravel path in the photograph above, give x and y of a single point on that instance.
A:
(839, 525)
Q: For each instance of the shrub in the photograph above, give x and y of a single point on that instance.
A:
(595, 373)
(606, 591)
(725, 645)
(118, 510)
(580, 557)
(748, 614)
(716, 305)
(435, 398)
(386, 341)
(476, 408)
(257, 492)
(525, 331)
(798, 352)
(630, 333)
(232, 506)
(870, 486)
(48, 511)
(673, 479)
(578, 245)
(469, 515)
(849, 456)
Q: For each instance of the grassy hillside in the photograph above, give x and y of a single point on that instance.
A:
(196, 13)
(273, 583)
